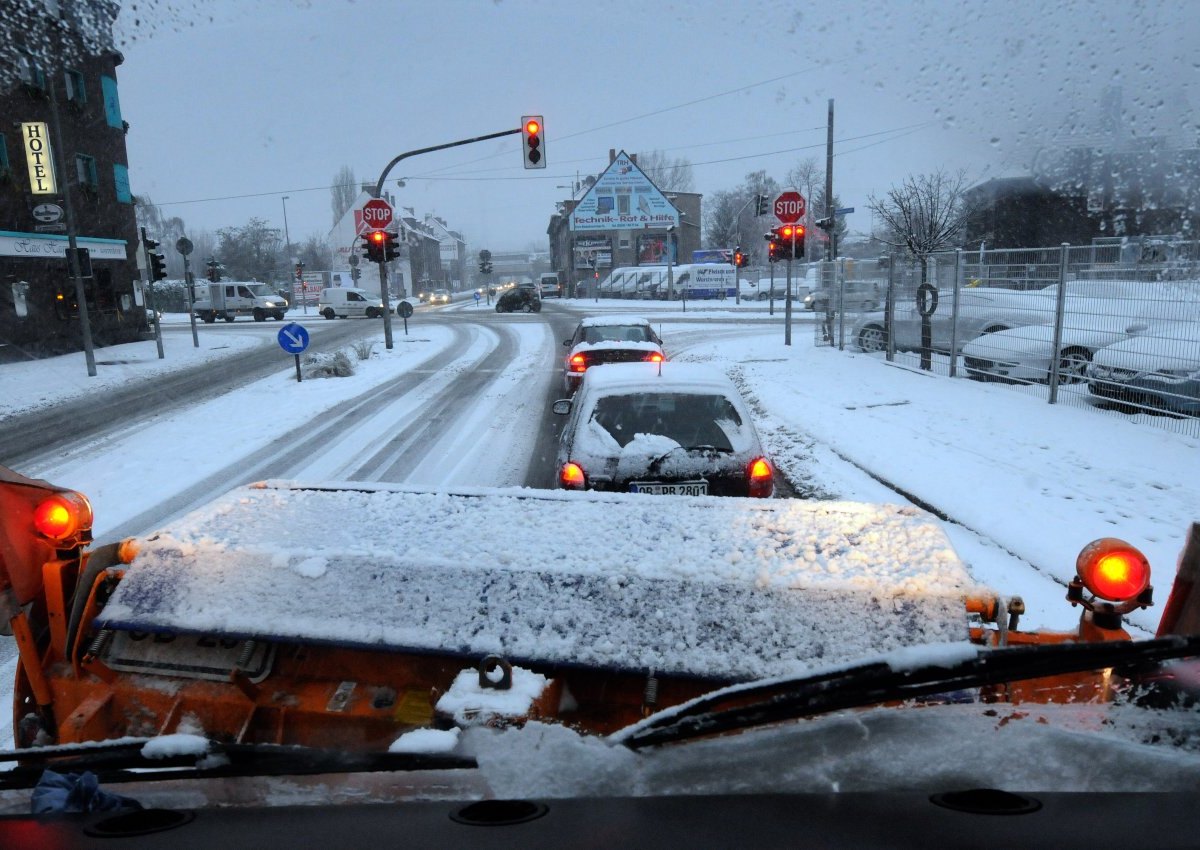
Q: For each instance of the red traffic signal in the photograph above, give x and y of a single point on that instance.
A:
(533, 149)
(739, 258)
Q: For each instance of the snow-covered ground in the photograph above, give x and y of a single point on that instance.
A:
(1027, 484)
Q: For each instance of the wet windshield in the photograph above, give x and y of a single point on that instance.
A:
(905, 442)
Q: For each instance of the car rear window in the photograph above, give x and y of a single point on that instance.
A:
(688, 419)
(616, 333)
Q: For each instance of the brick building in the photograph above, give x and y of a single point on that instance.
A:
(39, 312)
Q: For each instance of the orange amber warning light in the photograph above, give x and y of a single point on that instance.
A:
(63, 516)
(1113, 569)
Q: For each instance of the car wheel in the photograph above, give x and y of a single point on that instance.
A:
(208, 318)
(327, 313)
(372, 313)
(499, 308)
(872, 338)
(279, 317)
(992, 329)
(1072, 365)
(260, 315)
(229, 317)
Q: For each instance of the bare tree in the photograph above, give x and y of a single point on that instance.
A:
(343, 192)
(670, 174)
(924, 214)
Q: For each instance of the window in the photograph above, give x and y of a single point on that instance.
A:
(31, 74)
(3, 154)
(76, 93)
(121, 183)
(112, 103)
(85, 172)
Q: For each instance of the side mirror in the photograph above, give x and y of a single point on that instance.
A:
(562, 407)
(567, 343)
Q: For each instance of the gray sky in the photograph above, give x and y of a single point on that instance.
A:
(272, 97)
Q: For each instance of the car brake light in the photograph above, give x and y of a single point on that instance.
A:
(63, 516)
(1113, 569)
(571, 476)
(578, 363)
(655, 358)
(762, 483)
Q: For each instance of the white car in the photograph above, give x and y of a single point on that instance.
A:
(1107, 313)
(608, 339)
(1158, 369)
(344, 301)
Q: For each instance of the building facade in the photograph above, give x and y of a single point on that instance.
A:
(63, 133)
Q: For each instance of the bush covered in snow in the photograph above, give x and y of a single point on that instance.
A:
(328, 365)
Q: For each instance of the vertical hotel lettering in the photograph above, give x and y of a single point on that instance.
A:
(37, 157)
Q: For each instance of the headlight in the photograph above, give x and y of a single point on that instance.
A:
(270, 303)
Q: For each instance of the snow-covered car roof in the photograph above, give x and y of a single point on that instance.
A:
(614, 319)
(659, 377)
(619, 344)
(719, 588)
(1167, 346)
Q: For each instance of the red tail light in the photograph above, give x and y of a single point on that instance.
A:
(578, 363)
(63, 516)
(761, 478)
(571, 476)
(1113, 570)
(655, 358)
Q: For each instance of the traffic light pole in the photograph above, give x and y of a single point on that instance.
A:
(387, 307)
(150, 293)
(383, 175)
(787, 300)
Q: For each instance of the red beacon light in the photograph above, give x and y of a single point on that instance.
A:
(762, 481)
(1117, 575)
(63, 517)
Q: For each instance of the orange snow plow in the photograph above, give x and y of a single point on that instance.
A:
(384, 610)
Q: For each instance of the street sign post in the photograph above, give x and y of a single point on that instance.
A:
(293, 339)
(789, 206)
(377, 214)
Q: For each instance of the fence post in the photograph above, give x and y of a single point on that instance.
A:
(889, 309)
(1059, 308)
(839, 269)
(958, 270)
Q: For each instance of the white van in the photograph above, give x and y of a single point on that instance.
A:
(345, 301)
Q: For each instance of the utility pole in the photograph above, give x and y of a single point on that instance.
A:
(72, 233)
(832, 249)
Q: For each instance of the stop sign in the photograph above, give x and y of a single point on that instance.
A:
(789, 206)
(377, 214)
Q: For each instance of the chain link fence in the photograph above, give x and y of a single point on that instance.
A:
(1113, 327)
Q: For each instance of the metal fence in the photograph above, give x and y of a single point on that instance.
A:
(1111, 327)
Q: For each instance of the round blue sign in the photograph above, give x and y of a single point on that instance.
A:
(293, 338)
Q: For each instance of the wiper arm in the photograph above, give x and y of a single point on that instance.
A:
(122, 761)
(745, 707)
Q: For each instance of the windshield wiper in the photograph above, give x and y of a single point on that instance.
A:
(122, 761)
(745, 707)
(703, 448)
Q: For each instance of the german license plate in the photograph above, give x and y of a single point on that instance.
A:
(188, 656)
(677, 488)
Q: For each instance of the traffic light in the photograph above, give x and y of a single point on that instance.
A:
(299, 271)
(533, 147)
(213, 270)
(740, 259)
(761, 203)
(355, 273)
(373, 244)
(485, 262)
(391, 246)
(773, 252)
(158, 264)
(825, 224)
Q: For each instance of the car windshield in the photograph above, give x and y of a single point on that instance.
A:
(306, 519)
(689, 419)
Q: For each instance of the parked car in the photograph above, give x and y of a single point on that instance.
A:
(549, 287)
(608, 339)
(666, 428)
(980, 311)
(440, 296)
(857, 295)
(524, 299)
(1158, 369)
(344, 301)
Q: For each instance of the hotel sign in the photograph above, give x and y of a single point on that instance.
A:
(37, 157)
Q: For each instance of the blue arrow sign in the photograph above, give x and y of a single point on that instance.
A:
(476, 297)
(293, 338)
